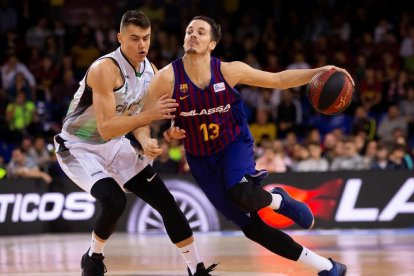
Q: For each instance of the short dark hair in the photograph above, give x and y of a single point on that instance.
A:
(215, 28)
(134, 17)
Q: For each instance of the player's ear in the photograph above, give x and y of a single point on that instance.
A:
(213, 45)
(119, 37)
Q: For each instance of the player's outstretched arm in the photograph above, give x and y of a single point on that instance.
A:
(240, 73)
(102, 77)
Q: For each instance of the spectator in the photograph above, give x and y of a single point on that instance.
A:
(20, 85)
(262, 126)
(8, 17)
(406, 107)
(61, 95)
(349, 160)
(271, 161)
(84, 52)
(400, 158)
(11, 68)
(362, 122)
(381, 160)
(370, 91)
(46, 77)
(289, 113)
(22, 166)
(370, 153)
(315, 161)
(397, 88)
(407, 49)
(269, 99)
(313, 136)
(328, 146)
(290, 141)
(393, 120)
(36, 35)
(40, 154)
(300, 153)
(21, 117)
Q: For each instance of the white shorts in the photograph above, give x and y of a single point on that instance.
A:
(85, 163)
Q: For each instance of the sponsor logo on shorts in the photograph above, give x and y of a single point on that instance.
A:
(95, 173)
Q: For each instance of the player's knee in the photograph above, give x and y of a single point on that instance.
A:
(111, 197)
(249, 196)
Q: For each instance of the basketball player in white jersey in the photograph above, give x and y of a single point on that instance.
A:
(93, 152)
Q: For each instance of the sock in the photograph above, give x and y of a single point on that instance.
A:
(97, 245)
(190, 256)
(314, 260)
(276, 200)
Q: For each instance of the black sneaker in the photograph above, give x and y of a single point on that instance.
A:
(338, 269)
(93, 265)
(202, 270)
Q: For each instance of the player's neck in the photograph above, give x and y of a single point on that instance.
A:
(196, 63)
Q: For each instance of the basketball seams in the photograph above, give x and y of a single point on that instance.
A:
(314, 89)
(324, 86)
(330, 93)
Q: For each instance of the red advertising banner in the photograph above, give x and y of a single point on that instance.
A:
(339, 200)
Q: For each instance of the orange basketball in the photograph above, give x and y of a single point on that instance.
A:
(330, 92)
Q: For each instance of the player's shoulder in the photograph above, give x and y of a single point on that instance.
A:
(232, 65)
(232, 68)
(103, 71)
(166, 73)
(103, 65)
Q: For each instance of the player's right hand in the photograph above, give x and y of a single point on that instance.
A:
(163, 108)
(151, 148)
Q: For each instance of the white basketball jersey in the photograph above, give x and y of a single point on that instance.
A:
(80, 120)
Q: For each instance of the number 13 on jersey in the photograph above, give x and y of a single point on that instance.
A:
(210, 132)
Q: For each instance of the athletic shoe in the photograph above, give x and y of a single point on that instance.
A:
(202, 270)
(338, 269)
(93, 265)
(297, 211)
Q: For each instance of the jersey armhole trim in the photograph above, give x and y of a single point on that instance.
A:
(119, 67)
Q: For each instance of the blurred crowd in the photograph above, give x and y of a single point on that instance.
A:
(46, 46)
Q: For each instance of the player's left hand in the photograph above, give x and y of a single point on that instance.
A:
(151, 148)
(174, 133)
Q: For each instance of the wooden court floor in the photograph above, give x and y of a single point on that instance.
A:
(378, 252)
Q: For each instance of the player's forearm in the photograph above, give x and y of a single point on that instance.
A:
(296, 77)
(142, 133)
(121, 125)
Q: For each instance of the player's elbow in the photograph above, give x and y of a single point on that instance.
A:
(105, 133)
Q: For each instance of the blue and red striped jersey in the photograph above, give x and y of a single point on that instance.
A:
(212, 117)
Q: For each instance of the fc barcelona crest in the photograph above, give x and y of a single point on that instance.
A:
(183, 88)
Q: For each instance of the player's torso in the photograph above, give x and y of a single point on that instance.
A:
(213, 117)
(80, 120)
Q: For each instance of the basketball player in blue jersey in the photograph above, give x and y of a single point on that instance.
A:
(93, 152)
(219, 147)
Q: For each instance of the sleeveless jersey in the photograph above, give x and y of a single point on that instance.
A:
(212, 117)
(80, 120)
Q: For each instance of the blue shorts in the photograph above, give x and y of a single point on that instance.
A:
(217, 173)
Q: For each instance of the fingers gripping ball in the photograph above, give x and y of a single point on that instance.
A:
(330, 92)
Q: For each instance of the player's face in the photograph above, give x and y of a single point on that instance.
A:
(197, 38)
(135, 42)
